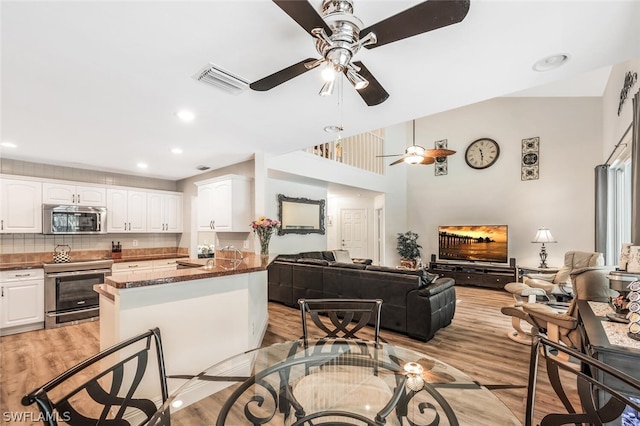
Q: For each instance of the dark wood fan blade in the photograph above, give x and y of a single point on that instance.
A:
(427, 160)
(374, 93)
(421, 18)
(304, 14)
(439, 152)
(397, 162)
(275, 79)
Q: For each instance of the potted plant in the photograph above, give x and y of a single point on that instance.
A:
(408, 248)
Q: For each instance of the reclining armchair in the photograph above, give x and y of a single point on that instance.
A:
(581, 270)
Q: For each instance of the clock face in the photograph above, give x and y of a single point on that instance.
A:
(482, 153)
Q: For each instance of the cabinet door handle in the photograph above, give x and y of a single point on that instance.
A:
(213, 226)
(129, 226)
(78, 198)
(73, 199)
(2, 292)
(2, 224)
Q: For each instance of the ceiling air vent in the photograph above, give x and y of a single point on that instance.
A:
(217, 77)
(203, 168)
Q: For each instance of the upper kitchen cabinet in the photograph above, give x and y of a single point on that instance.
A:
(224, 204)
(81, 195)
(164, 212)
(20, 206)
(126, 210)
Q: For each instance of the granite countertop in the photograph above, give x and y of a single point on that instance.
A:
(39, 264)
(18, 266)
(151, 257)
(197, 269)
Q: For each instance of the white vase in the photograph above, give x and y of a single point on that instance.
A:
(624, 256)
(633, 266)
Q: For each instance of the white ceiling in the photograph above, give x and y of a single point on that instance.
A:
(96, 84)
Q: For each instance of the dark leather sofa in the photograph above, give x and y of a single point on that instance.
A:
(415, 303)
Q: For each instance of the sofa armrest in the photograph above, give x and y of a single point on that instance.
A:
(438, 286)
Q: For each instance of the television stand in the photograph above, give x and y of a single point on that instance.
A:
(476, 274)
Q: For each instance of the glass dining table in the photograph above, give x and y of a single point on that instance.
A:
(337, 382)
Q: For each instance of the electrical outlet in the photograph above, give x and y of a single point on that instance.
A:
(135, 243)
(245, 244)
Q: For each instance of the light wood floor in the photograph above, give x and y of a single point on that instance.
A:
(475, 343)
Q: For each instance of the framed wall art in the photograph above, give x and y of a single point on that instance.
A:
(530, 162)
(441, 166)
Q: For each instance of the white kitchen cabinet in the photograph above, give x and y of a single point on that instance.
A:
(165, 265)
(69, 194)
(20, 206)
(164, 212)
(126, 210)
(21, 300)
(224, 204)
(131, 267)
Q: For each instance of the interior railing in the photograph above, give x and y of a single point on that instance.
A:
(359, 151)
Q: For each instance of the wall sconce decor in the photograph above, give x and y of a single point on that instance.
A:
(530, 159)
(543, 236)
(441, 165)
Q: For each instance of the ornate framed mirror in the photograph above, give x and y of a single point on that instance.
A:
(300, 215)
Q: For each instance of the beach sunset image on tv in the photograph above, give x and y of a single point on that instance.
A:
(473, 243)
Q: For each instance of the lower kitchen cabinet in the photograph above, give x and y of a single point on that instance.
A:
(21, 300)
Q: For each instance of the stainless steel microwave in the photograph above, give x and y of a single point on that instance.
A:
(58, 219)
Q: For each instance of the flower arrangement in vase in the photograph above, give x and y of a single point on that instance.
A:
(408, 248)
(264, 227)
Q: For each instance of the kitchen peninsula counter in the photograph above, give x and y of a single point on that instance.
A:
(204, 314)
(195, 269)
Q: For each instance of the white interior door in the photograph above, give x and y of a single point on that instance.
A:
(353, 231)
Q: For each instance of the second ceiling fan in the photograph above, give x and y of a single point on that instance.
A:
(416, 154)
(339, 35)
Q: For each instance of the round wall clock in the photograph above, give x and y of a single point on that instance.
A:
(482, 153)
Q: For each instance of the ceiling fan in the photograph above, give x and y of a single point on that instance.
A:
(339, 35)
(416, 154)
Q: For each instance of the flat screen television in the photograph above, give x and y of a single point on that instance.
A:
(476, 243)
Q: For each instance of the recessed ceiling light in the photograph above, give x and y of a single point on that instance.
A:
(9, 145)
(185, 115)
(550, 62)
(176, 150)
(142, 165)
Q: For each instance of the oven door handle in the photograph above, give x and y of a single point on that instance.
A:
(78, 273)
(53, 314)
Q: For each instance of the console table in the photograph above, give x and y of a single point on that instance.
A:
(477, 274)
(618, 353)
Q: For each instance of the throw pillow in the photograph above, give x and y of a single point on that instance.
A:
(342, 256)
(311, 261)
(347, 265)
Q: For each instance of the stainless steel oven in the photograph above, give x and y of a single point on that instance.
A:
(69, 297)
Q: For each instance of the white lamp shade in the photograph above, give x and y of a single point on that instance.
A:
(544, 236)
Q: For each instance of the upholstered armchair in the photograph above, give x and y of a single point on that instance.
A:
(582, 276)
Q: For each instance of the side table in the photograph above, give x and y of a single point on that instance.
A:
(524, 270)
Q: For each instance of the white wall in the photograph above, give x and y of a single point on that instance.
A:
(562, 199)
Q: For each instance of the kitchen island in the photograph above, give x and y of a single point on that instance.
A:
(205, 312)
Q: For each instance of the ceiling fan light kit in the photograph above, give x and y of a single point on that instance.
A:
(339, 35)
(416, 154)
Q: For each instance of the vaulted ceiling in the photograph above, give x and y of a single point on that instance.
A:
(97, 84)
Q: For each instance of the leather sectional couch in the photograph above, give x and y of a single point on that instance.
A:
(415, 303)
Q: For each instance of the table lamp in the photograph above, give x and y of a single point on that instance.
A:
(543, 236)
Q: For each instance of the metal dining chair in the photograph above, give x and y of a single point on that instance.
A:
(346, 317)
(604, 393)
(109, 388)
